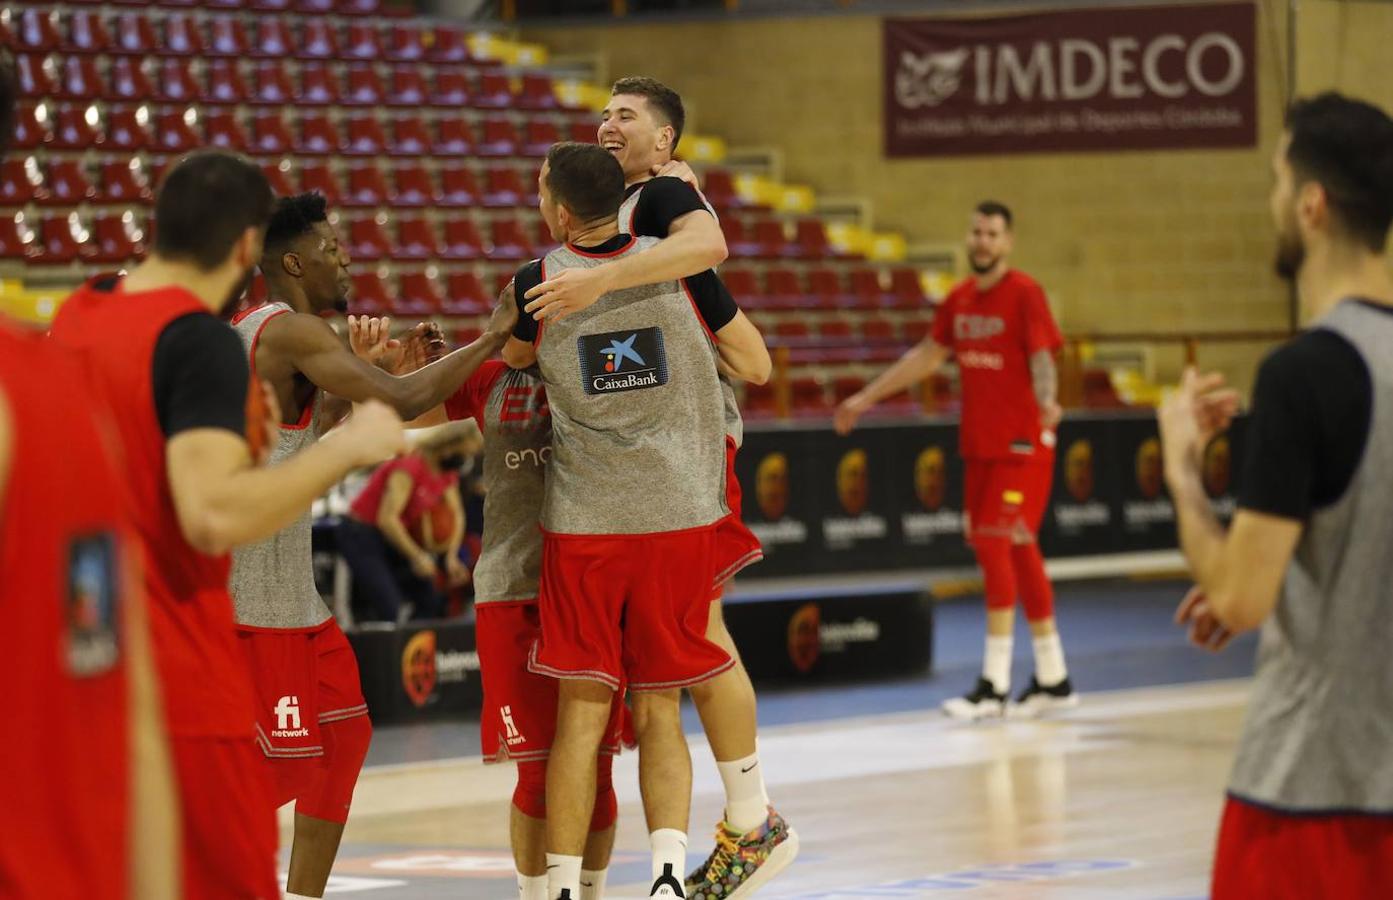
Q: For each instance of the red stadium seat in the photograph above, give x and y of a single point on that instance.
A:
(87, 33)
(412, 186)
(410, 137)
(453, 138)
(415, 239)
(37, 31)
(64, 240)
(135, 34)
(915, 330)
(128, 80)
(225, 83)
(362, 43)
(318, 40)
(739, 243)
(785, 290)
(810, 241)
(272, 85)
(418, 295)
(127, 128)
(458, 187)
(176, 83)
(364, 87)
(222, 130)
(179, 4)
(503, 188)
(80, 79)
(274, 39)
(907, 289)
(500, 138)
(510, 241)
(759, 401)
(367, 241)
(21, 181)
(271, 136)
(359, 7)
(227, 36)
(770, 239)
(879, 330)
(719, 188)
(825, 288)
(450, 45)
(408, 87)
(465, 296)
(366, 187)
(406, 43)
(32, 128)
(462, 240)
(320, 178)
(75, 128)
(318, 136)
(537, 92)
(1099, 391)
(450, 88)
(278, 173)
(118, 238)
(225, 4)
(314, 7)
(370, 295)
(545, 242)
(538, 137)
(494, 92)
(183, 36)
(744, 287)
(269, 6)
(843, 386)
(793, 331)
(809, 396)
(34, 77)
(583, 132)
(834, 330)
(866, 289)
(67, 184)
(18, 239)
(173, 132)
(319, 86)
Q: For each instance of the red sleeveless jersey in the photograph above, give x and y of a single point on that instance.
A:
(66, 584)
(207, 690)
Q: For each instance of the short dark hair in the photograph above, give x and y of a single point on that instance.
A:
(666, 102)
(586, 179)
(995, 208)
(1346, 146)
(295, 216)
(205, 205)
(9, 90)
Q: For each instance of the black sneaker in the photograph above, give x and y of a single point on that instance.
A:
(1037, 699)
(983, 703)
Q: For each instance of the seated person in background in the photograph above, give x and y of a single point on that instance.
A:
(382, 537)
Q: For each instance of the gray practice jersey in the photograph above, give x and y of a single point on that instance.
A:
(273, 580)
(638, 427)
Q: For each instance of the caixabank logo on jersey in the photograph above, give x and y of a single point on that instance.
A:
(619, 361)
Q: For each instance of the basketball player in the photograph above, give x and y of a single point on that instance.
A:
(999, 326)
(625, 584)
(1310, 800)
(641, 127)
(174, 379)
(312, 721)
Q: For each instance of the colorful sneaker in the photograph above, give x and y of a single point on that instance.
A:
(742, 864)
(1038, 699)
(982, 703)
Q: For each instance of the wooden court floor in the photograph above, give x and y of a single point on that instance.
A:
(1120, 799)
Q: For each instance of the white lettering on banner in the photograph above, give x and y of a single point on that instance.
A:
(452, 666)
(786, 531)
(835, 636)
(1224, 507)
(1151, 70)
(921, 527)
(1148, 512)
(1069, 51)
(1083, 514)
(844, 531)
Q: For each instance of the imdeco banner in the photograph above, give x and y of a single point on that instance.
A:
(1077, 80)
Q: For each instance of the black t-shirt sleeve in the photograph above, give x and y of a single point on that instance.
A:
(715, 304)
(528, 277)
(1312, 409)
(200, 376)
(663, 201)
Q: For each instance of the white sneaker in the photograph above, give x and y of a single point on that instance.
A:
(983, 703)
(1038, 700)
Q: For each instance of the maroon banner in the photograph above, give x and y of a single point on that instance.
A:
(1100, 79)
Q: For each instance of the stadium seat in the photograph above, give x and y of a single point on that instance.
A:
(318, 136)
(834, 331)
(127, 128)
(739, 242)
(462, 240)
(500, 138)
(792, 331)
(877, 330)
(759, 401)
(222, 130)
(225, 4)
(810, 240)
(271, 136)
(364, 87)
(450, 45)
(36, 31)
(453, 138)
(118, 238)
(274, 39)
(34, 79)
(1099, 391)
(510, 240)
(87, 33)
(406, 43)
(32, 128)
(450, 88)
(63, 240)
(79, 79)
(179, 4)
(370, 295)
(538, 137)
(359, 7)
(503, 188)
(67, 184)
(866, 289)
(318, 40)
(278, 173)
(271, 84)
(940, 391)
(544, 241)
(366, 187)
(843, 386)
(173, 132)
(225, 84)
(362, 43)
(465, 296)
(412, 186)
(319, 86)
(176, 83)
(907, 289)
(744, 288)
(770, 240)
(825, 289)
(314, 7)
(458, 187)
(21, 181)
(537, 92)
(367, 241)
(418, 295)
(915, 330)
(269, 6)
(718, 185)
(182, 36)
(408, 87)
(18, 239)
(494, 91)
(75, 128)
(135, 34)
(128, 80)
(227, 36)
(809, 396)
(410, 137)
(318, 176)
(785, 290)
(583, 132)
(501, 277)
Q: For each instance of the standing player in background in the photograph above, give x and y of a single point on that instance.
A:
(999, 326)
(89, 809)
(1310, 799)
(312, 721)
(641, 128)
(174, 379)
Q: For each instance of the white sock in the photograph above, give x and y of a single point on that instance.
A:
(1049, 660)
(996, 663)
(669, 859)
(532, 887)
(592, 884)
(563, 874)
(747, 802)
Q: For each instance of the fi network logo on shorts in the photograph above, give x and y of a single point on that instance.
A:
(288, 718)
(622, 361)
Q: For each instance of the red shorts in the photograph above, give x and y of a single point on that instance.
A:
(1284, 856)
(736, 545)
(229, 824)
(303, 678)
(628, 609)
(519, 716)
(1007, 496)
